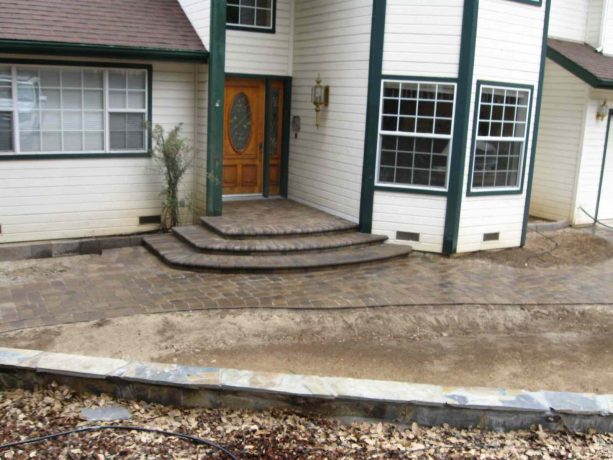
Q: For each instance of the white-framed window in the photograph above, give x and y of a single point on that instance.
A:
(415, 134)
(51, 109)
(251, 14)
(501, 138)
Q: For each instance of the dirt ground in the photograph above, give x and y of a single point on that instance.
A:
(564, 348)
(552, 249)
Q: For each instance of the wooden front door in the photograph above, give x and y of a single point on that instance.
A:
(243, 155)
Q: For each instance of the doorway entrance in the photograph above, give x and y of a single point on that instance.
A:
(253, 142)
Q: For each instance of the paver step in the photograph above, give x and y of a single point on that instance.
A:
(273, 218)
(206, 240)
(179, 254)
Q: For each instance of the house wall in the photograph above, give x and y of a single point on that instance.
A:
(568, 19)
(50, 199)
(422, 39)
(199, 14)
(594, 22)
(508, 50)
(559, 144)
(262, 53)
(591, 160)
(332, 39)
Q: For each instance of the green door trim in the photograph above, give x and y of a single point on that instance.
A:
(537, 117)
(602, 168)
(461, 127)
(285, 141)
(215, 110)
(375, 72)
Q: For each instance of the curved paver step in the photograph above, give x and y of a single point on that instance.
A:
(179, 254)
(273, 218)
(208, 241)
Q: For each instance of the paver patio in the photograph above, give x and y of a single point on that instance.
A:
(131, 281)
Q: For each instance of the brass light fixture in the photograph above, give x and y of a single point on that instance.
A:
(603, 111)
(320, 97)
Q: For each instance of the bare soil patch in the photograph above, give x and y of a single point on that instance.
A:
(537, 348)
(552, 249)
(262, 436)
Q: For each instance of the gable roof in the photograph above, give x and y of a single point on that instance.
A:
(583, 61)
(116, 27)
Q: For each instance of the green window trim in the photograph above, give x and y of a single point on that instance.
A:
(264, 30)
(538, 3)
(36, 156)
(409, 188)
(491, 191)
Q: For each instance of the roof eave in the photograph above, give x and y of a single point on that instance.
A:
(97, 50)
(577, 70)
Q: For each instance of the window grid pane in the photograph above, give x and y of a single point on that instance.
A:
(415, 133)
(250, 13)
(62, 109)
(501, 137)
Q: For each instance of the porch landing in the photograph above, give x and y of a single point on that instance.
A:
(270, 235)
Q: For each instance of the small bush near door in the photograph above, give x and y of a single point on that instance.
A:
(174, 157)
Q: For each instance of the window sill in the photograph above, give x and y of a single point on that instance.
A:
(416, 191)
(490, 192)
(71, 156)
(250, 29)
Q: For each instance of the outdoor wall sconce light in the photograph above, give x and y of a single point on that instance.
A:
(603, 111)
(320, 97)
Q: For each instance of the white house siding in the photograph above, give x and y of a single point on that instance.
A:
(332, 38)
(591, 163)
(199, 14)
(200, 139)
(262, 53)
(594, 22)
(50, 199)
(509, 41)
(559, 144)
(422, 39)
(568, 19)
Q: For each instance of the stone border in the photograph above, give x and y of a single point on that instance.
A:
(548, 226)
(396, 402)
(58, 248)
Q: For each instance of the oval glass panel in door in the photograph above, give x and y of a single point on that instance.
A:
(240, 122)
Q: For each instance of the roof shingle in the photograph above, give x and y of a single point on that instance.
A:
(155, 24)
(582, 60)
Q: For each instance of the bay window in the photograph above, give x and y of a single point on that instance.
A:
(49, 109)
(415, 134)
(502, 123)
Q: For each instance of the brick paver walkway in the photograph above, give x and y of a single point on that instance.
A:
(131, 281)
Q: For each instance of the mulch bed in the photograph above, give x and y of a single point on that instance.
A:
(264, 435)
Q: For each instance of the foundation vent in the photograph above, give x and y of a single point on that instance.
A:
(491, 236)
(144, 220)
(407, 236)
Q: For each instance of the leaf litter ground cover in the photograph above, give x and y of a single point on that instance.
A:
(260, 435)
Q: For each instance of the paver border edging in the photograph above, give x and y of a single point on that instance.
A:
(396, 402)
(548, 226)
(58, 248)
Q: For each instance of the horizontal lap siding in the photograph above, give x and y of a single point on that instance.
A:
(49, 199)
(201, 116)
(594, 21)
(509, 40)
(559, 144)
(332, 38)
(422, 39)
(591, 160)
(262, 53)
(569, 19)
(199, 14)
